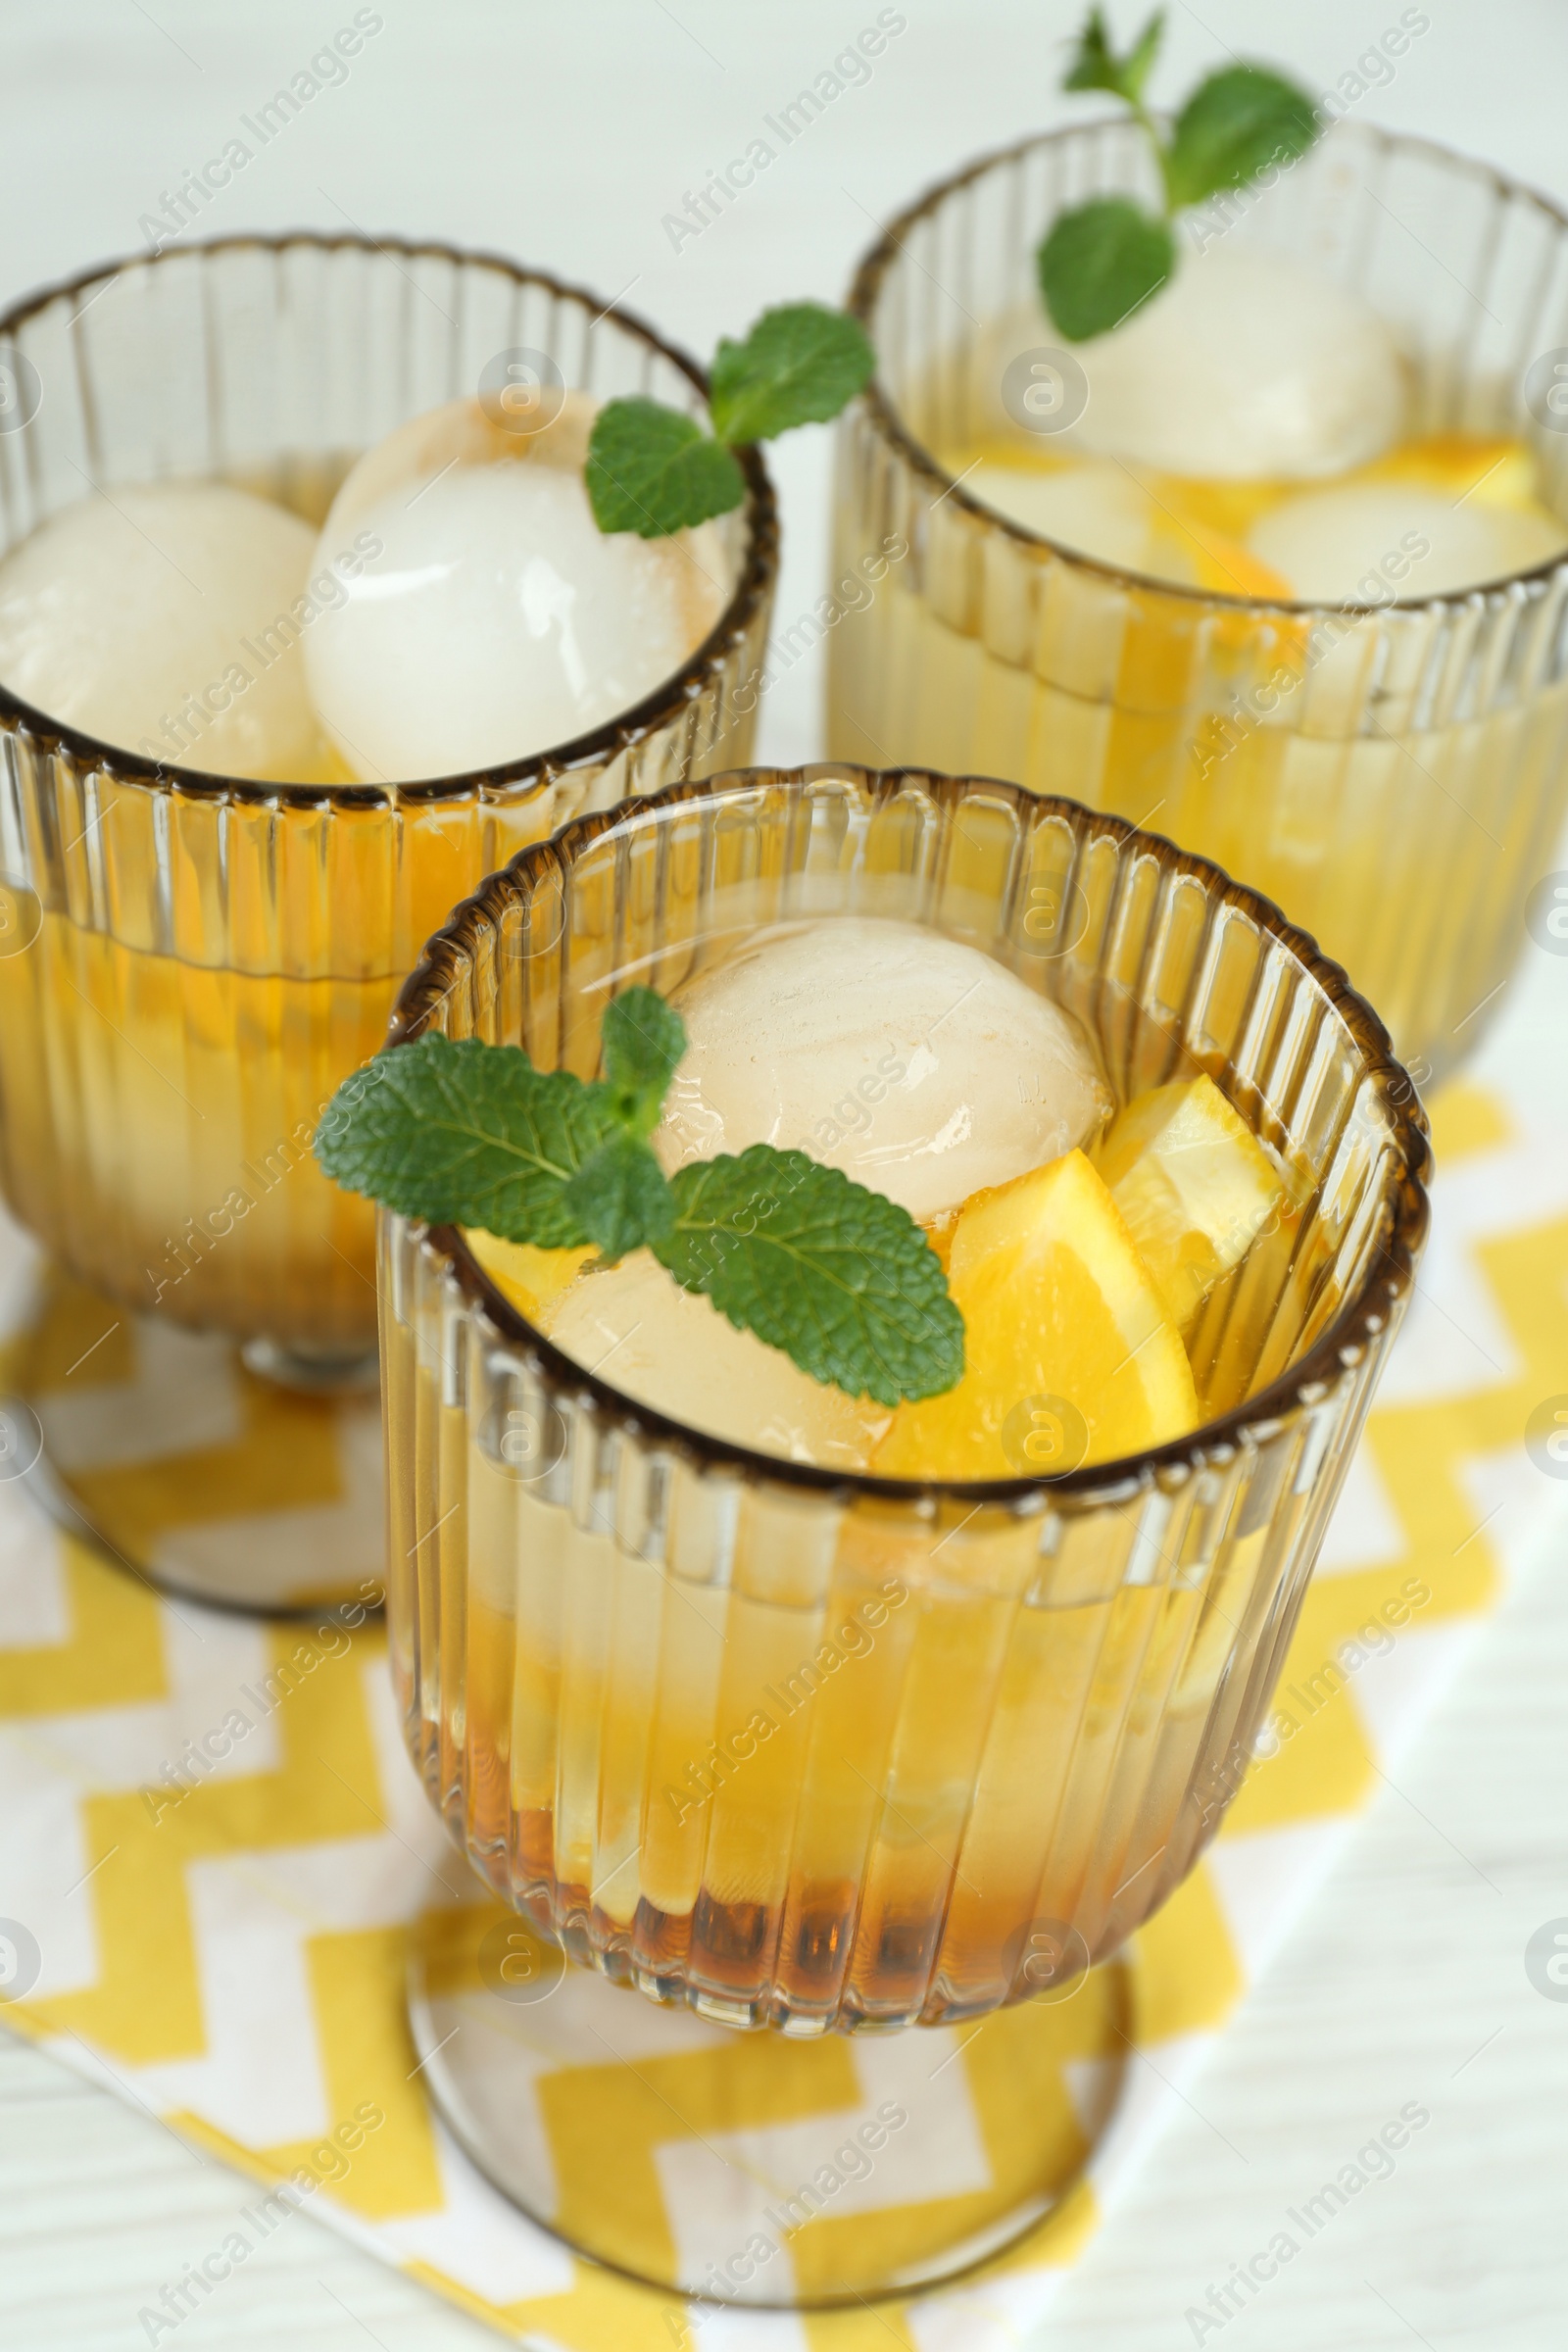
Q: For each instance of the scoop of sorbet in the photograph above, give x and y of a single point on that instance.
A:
(1245, 366)
(493, 619)
(1334, 545)
(913, 1062)
(167, 619)
(672, 1349)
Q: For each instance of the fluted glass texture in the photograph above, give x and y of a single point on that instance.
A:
(1393, 775)
(826, 1751)
(189, 963)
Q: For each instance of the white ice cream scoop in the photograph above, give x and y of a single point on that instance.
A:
(1247, 366)
(167, 619)
(1097, 507)
(912, 1061)
(1244, 366)
(1372, 542)
(493, 619)
(672, 1349)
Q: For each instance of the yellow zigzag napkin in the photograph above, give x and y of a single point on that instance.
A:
(232, 1958)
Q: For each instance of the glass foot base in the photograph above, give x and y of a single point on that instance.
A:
(312, 1373)
(752, 2167)
(161, 1447)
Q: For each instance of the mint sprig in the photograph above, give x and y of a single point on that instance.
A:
(816, 1264)
(458, 1132)
(1097, 67)
(461, 1133)
(641, 1040)
(1101, 261)
(799, 365)
(1233, 126)
(652, 470)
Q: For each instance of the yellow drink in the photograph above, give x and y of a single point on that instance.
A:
(1331, 759)
(922, 1789)
(1395, 775)
(781, 1743)
(189, 965)
(158, 1131)
(161, 1084)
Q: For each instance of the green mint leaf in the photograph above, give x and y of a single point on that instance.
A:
(619, 1196)
(1099, 261)
(1234, 126)
(799, 365)
(841, 1279)
(1097, 67)
(462, 1133)
(652, 470)
(641, 1042)
(1138, 64)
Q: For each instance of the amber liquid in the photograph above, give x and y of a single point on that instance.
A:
(910, 1782)
(167, 1047)
(157, 1128)
(818, 1758)
(189, 981)
(1398, 812)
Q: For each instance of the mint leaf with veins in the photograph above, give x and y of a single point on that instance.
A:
(799, 365)
(462, 1133)
(841, 1279)
(457, 1132)
(652, 470)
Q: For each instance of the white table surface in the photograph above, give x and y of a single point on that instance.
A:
(565, 134)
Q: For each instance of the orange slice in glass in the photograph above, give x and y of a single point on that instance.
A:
(1194, 1185)
(1070, 1354)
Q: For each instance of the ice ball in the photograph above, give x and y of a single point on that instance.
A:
(167, 619)
(912, 1061)
(1095, 507)
(1374, 541)
(493, 619)
(1245, 366)
(636, 1328)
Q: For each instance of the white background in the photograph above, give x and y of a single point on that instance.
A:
(565, 134)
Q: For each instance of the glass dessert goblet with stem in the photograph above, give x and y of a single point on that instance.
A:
(190, 960)
(1388, 762)
(819, 1752)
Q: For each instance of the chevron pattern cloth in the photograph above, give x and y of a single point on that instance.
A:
(227, 1949)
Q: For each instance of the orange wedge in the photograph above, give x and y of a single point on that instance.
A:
(1214, 562)
(1499, 472)
(1194, 1186)
(1070, 1353)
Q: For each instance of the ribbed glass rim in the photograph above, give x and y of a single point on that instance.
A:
(1389, 1270)
(601, 744)
(866, 284)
